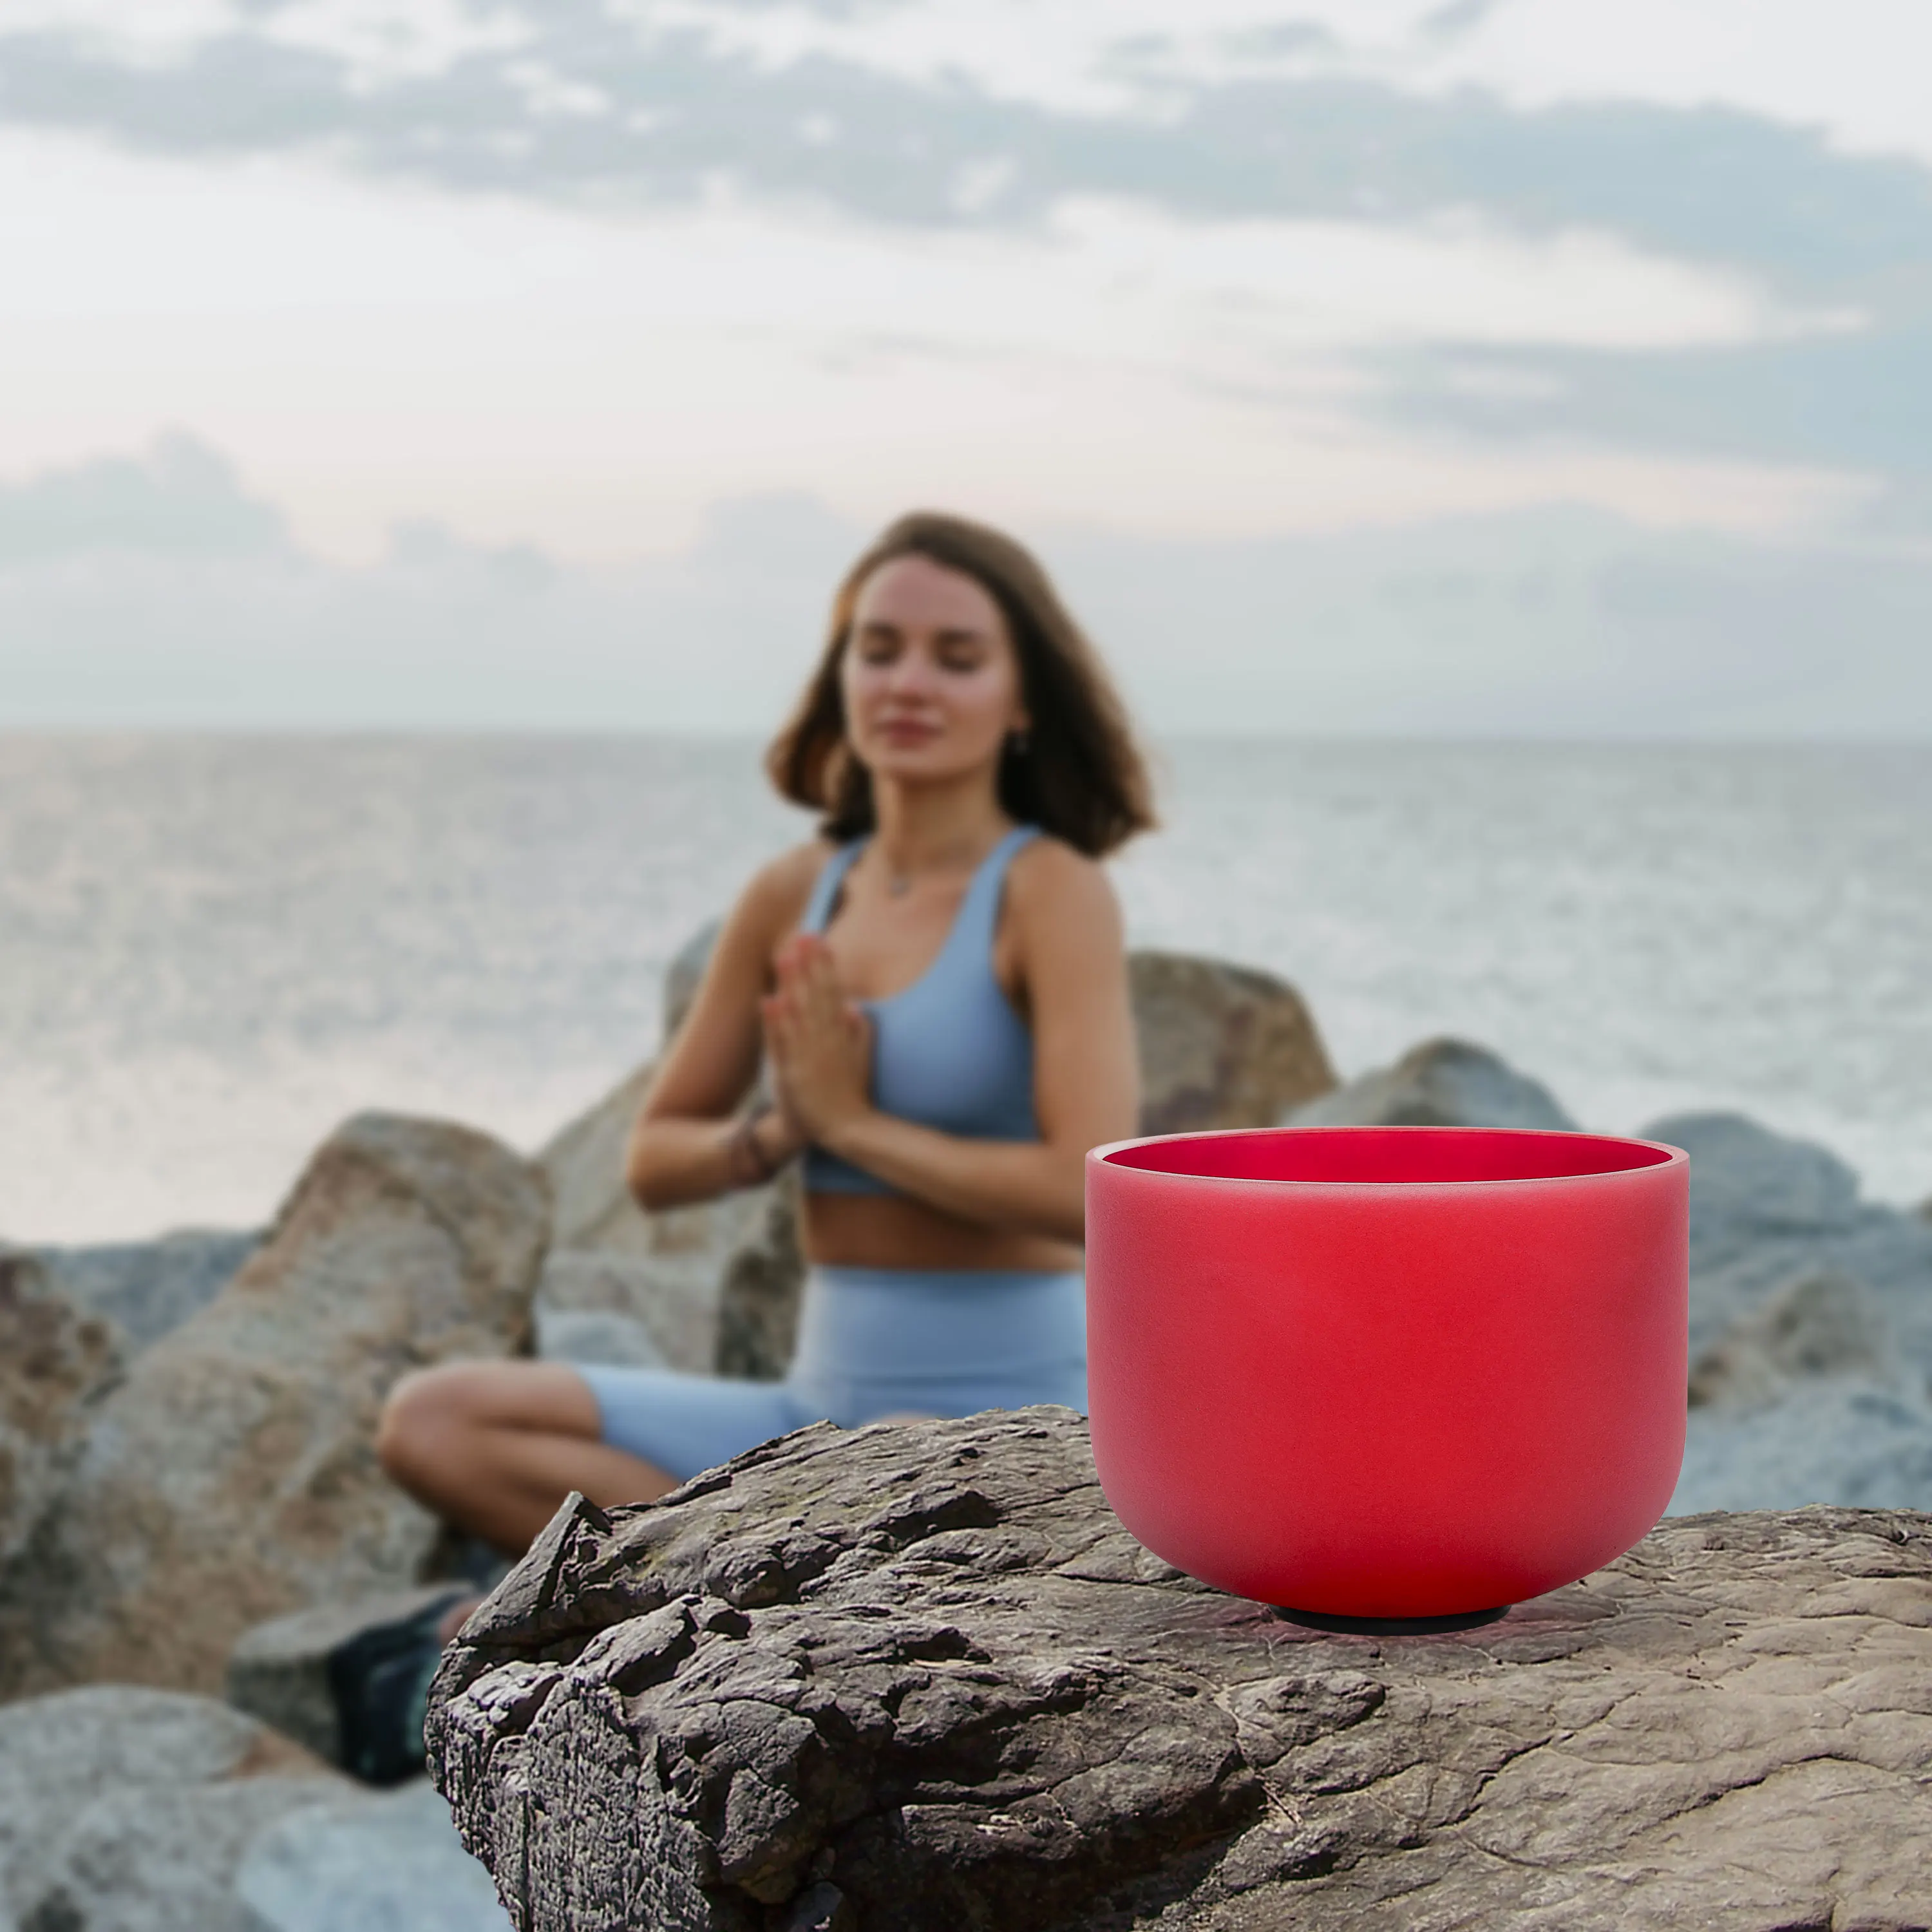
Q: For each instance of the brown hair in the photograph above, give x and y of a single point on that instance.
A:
(1080, 777)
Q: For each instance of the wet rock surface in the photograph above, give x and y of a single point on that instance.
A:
(918, 1676)
(232, 1475)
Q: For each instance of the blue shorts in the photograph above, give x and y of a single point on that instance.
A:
(871, 1341)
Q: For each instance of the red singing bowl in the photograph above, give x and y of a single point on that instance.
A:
(1386, 1372)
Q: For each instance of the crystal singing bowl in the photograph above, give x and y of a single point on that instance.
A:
(1387, 1377)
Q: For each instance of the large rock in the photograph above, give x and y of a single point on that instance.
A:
(1220, 1045)
(902, 1679)
(1766, 1210)
(150, 1287)
(233, 1475)
(55, 1362)
(670, 1300)
(1841, 1438)
(764, 1281)
(128, 1810)
(1440, 1083)
(131, 1810)
(365, 1863)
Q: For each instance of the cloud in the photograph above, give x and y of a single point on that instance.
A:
(180, 499)
(1860, 401)
(1560, 622)
(589, 107)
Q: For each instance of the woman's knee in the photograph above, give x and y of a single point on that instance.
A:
(432, 1417)
(424, 1411)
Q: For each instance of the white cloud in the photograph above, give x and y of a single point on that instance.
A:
(528, 373)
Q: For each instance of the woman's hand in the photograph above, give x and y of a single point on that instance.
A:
(820, 1044)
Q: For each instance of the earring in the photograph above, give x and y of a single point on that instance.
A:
(1016, 743)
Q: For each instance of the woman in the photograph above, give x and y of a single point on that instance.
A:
(937, 988)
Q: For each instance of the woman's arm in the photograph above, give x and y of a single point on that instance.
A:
(685, 1145)
(1072, 967)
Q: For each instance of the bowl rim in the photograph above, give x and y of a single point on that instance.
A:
(1103, 1156)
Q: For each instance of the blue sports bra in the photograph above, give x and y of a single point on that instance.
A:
(948, 1051)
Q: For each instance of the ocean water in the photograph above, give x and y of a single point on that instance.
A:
(211, 949)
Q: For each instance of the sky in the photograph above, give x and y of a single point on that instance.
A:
(1498, 367)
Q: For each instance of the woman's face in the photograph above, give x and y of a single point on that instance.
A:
(930, 676)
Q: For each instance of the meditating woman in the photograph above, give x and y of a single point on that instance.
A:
(936, 988)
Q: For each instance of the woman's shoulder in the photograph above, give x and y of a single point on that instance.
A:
(776, 893)
(1050, 879)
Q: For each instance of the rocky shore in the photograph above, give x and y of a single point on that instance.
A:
(186, 1428)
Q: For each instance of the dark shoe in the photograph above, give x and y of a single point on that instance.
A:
(379, 1679)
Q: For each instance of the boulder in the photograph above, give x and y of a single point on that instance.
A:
(232, 1476)
(123, 1809)
(129, 1809)
(1220, 1045)
(918, 1678)
(1765, 1210)
(390, 1862)
(758, 1300)
(1817, 1324)
(1440, 1083)
(1844, 1438)
(670, 1300)
(149, 1288)
(55, 1362)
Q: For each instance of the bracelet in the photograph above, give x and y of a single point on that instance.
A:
(745, 1151)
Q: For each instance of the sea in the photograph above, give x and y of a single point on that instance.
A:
(213, 948)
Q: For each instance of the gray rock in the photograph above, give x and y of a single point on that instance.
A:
(673, 1296)
(278, 1671)
(232, 1476)
(764, 1281)
(387, 1863)
(1220, 1045)
(150, 1287)
(1440, 1083)
(597, 1336)
(128, 1810)
(920, 1676)
(685, 970)
(1765, 1209)
(1817, 1324)
(56, 1362)
(1839, 1439)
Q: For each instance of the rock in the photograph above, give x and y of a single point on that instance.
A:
(685, 971)
(1441, 1083)
(596, 1336)
(1817, 1324)
(1765, 1209)
(129, 1810)
(149, 1288)
(912, 1678)
(1838, 1439)
(1220, 1045)
(279, 1671)
(673, 1298)
(386, 1863)
(55, 1362)
(232, 1476)
(764, 1280)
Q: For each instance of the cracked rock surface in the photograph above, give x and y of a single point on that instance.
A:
(918, 1676)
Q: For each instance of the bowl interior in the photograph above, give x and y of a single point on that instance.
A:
(1388, 1154)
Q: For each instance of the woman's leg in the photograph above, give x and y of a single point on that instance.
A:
(495, 1447)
